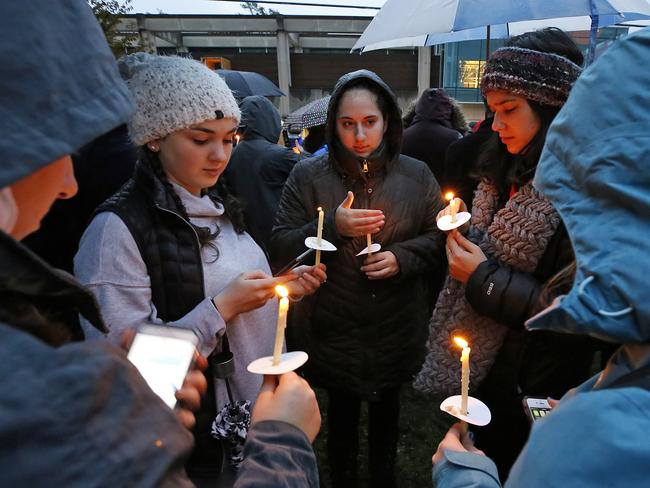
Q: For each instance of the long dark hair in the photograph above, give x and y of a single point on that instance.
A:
(496, 164)
(233, 209)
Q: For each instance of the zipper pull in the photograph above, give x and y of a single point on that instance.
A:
(365, 166)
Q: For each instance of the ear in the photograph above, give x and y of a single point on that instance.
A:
(154, 145)
(385, 125)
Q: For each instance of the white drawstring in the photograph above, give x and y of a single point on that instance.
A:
(605, 313)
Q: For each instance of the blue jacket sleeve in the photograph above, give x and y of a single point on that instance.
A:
(277, 454)
(466, 470)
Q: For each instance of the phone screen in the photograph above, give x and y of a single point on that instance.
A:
(163, 362)
(537, 408)
(539, 413)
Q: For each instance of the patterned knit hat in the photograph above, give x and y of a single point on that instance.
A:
(172, 93)
(543, 77)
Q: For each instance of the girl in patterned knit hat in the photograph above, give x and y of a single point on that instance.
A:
(170, 247)
(516, 242)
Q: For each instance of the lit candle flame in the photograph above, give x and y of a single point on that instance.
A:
(461, 342)
(319, 209)
(282, 291)
(449, 196)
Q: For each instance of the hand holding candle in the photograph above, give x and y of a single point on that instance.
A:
(319, 233)
(283, 293)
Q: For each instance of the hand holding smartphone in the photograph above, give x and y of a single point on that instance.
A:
(536, 408)
(163, 356)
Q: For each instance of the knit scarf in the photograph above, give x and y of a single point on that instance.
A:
(517, 236)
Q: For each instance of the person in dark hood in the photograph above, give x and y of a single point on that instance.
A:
(259, 166)
(431, 130)
(73, 413)
(364, 329)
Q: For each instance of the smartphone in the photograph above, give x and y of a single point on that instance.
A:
(163, 356)
(295, 262)
(536, 408)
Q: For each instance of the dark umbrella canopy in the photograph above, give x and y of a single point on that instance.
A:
(310, 115)
(247, 83)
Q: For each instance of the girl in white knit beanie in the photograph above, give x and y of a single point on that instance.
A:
(170, 246)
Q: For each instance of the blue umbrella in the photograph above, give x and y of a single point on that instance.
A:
(247, 83)
(424, 22)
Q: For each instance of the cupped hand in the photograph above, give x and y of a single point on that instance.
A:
(455, 440)
(310, 278)
(189, 396)
(357, 222)
(288, 398)
(380, 265)
(463, 256)
(247, 292)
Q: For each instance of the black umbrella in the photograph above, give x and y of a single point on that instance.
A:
(247, 83)
(310, 115)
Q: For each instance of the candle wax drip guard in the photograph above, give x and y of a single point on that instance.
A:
(445, 223)
(374, 247)
(289, 361)
(312, 243)
(477, 412)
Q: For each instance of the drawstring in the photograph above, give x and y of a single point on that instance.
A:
(605, 313)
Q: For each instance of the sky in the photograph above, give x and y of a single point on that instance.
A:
(221, 7)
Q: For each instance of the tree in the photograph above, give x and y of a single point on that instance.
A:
(255, 9)
(108, 14)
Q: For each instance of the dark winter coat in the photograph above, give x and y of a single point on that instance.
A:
(259, 166)
(431, 132)
(363, 336)
(170, 249)
(63, 405)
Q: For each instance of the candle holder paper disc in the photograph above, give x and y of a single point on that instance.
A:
(374, 247)
(445, 223)
(289, 361)
(312, 243)
(477, 412)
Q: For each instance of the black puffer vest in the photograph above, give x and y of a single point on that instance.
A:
(170, 249)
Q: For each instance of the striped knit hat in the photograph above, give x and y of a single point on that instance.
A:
(542, 77)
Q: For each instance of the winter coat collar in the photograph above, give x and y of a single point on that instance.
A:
(353, 167)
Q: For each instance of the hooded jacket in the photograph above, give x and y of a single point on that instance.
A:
(259, 166)
(78, 414)
(362, 336)
(431, 132)
(594, 169)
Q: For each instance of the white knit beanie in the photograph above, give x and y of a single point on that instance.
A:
(173, 93)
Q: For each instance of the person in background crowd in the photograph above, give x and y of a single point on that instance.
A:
(431, 131)
(594, 170)
(259, 166)
(516, 242)
(365, 328)
(184, 258)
